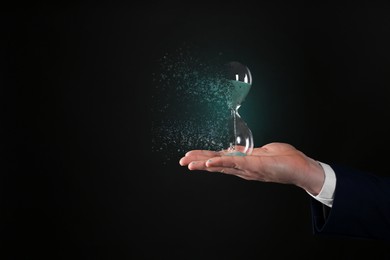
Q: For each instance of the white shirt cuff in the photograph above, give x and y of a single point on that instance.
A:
(327, 192)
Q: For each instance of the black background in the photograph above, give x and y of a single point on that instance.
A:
(78, 179)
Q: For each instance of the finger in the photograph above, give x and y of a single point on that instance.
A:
(236, 172)
(229, 171)
(201, 165)
(191, 158)
(245, 177)
(197, 155)
(185, 161)
(206, 153)
(227, 162)
(197, 165)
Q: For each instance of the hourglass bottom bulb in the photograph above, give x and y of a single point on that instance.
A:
(240, 137)
(232, 151)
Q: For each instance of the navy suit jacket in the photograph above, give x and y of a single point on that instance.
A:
(361, 207)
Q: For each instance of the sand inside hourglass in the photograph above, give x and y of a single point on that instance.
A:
(239, 92)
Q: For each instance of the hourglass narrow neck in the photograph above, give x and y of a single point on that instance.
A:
(234, 119)
(234, 109)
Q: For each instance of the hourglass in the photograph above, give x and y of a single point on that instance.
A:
(239, 81)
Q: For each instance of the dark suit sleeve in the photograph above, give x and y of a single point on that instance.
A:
(361, 207)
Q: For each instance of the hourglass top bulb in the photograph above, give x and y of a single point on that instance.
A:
(240, 78)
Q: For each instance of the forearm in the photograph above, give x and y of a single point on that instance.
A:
(361, 207)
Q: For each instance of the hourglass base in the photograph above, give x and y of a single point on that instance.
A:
(235, 153)
(232, 151)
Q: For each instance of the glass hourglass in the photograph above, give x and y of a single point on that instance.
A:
(239, 81)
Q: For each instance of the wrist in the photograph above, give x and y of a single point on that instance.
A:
(314, 178)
